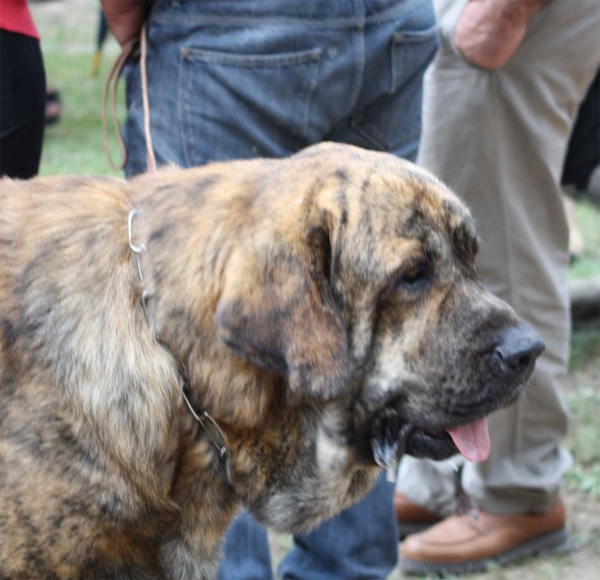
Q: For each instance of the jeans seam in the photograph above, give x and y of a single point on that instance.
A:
(251, 60)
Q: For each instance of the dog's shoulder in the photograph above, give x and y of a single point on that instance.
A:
(71, 318)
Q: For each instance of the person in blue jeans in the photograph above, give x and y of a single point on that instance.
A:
(243, 79)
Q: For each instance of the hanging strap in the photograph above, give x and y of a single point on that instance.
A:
(110, 86)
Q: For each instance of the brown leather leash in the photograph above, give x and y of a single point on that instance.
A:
(110, 86)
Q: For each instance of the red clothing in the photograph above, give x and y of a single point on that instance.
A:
(15, 17)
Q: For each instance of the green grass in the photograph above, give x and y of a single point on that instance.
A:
(585, 480)
(585, 350)
(584, 437)
(75, 144)
(583, 400)
(587, 216)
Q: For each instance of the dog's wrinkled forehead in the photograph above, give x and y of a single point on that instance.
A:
(411, 204)
(451, 218)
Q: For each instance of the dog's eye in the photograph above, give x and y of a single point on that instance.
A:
(416, 277)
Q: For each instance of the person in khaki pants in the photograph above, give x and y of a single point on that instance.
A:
(500, 102)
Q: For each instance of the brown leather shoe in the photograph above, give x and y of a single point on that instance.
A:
(411, 517)
(467, 543)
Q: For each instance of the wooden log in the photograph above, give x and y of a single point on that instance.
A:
(585, 299)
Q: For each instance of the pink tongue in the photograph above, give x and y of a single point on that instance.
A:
(472, 440)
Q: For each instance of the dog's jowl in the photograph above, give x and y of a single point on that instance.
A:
(322, 314)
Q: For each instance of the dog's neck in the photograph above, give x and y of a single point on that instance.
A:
(183, 297)
(211, 428)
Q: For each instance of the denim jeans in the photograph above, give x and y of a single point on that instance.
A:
(361, 542)
(242, 79)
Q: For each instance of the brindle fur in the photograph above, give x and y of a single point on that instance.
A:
(276, 295)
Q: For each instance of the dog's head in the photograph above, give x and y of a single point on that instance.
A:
(363, 279)
(353, 279)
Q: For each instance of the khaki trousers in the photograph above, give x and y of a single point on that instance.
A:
(499, 138)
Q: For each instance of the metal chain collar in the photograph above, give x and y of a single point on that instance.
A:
(204, 417)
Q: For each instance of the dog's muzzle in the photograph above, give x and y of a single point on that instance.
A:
(511, 360)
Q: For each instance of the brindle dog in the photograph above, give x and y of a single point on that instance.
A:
(316, 307)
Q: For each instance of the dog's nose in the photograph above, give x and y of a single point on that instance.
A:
(519, 347)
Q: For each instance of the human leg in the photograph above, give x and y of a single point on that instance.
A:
(502, 152)
(525, 470)
(351, 545)
(23, 92)
(246, 551)
(430, 484)
(499, 139)
(236, 80)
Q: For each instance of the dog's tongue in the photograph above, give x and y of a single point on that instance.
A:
(472, 440)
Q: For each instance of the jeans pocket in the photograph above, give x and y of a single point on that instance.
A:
(394, 122)
(235, 105)
(410, 49)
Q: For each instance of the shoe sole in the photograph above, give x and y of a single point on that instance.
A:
(546, 545)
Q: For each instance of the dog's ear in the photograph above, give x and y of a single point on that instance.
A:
(277, 310)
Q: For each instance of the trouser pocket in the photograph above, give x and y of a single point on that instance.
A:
(235, 105)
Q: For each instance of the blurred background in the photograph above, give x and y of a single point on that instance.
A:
(78, 54)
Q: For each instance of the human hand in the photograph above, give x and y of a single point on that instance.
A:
(489, 32)
(124, 17)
